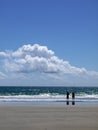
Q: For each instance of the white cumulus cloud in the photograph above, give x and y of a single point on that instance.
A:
(36, 58)
(29, 58)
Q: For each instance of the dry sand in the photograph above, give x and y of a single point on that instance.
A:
(48, 118)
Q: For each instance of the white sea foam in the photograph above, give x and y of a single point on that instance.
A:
(47, 98)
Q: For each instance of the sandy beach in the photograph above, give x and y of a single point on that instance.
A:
(48, 118)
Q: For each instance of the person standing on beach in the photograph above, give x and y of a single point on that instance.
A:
(67, 97)
(73, 97)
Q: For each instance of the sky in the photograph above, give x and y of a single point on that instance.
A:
(49, 42)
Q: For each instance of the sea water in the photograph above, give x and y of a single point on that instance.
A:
(47, 95)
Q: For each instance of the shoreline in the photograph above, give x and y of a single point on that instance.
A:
(43, 104)
(49, 117)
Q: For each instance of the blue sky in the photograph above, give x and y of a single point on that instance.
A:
(67, 27)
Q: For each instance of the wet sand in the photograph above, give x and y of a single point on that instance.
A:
(48, 118)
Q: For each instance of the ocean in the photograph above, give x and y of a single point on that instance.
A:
(48, 95)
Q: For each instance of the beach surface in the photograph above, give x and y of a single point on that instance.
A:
(48, 118)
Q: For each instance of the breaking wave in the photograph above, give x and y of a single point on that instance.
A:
(48, 98)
